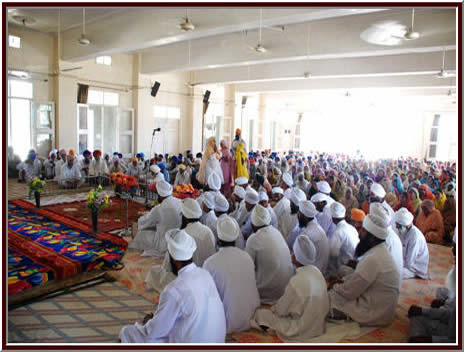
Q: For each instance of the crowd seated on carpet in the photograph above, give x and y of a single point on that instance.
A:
(319, 237)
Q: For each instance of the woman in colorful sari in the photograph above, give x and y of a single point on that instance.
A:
(227, 166)
(415, 200)
(241, 162)
(430, 222)
(210, 163)
(404, 203)
(449, 214)
(440, 199)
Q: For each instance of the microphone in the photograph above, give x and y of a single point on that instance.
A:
(156, 130)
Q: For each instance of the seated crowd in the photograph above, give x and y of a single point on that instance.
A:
(315, 236)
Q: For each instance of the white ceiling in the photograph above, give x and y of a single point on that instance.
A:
(324, 43)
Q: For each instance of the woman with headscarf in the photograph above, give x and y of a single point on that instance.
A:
(449, 212)
(349, 202)
(210, 163)
(227, 166)
(241, 162)
(415, 200)
(430, 222)
(404, 202)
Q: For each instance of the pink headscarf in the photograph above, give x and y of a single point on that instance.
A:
(226, 154)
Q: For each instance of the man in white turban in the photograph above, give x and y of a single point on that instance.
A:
(251, 200)
(152, 227)
(213, 182)
(392, 242)
(299, 315)
(241, 181)
(377, 195)
(70, 175)
(156, 173)
(370, 294)
(438, 323)
(161, 275)
(415, 250)
(343, 242)
(264, 201)
(271, 256)
(324, 188)
(308, 226)
(233, 272)
(209, 217)
(286, 184)
(288, 221)
(190, 309)
(324, 217)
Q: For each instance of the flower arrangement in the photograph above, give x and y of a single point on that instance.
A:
(36, 185)
(123, 181)
(97, 199)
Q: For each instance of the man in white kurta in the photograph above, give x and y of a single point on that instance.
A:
(98, 165)
(251, 200)
(343, 241)
(209, 217)
(237, 201)
(415, 250)
(392, 242)
(152, 227)
(190, 309)
(183, 176)
(264, 201)
(271, 256)
(286, 184)
(377, 194)
(70, 175)
(288, 221)
(308, 226)
(283, 204)
(370, 294)
(233, 271)
(324, 217)
(299, 315)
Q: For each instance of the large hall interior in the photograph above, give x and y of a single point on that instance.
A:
(232, 174)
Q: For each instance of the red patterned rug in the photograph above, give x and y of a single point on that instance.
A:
(77, 214)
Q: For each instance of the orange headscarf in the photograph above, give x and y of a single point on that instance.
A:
(357, 215)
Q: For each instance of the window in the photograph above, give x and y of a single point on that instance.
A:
(434, 137)
(14, 41)
(20, 89)
(99, 97)
(104, 60)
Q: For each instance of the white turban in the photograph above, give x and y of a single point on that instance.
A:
(260, 216)
(220, 203)
(450, 189)
(251, 196)
(181, 245)
(115, 158)
(379, 210)
(263, 196)
(337, 210)
(155, 169)
(287, 178)
(307, 208)
(227, 228)
(404, 217)
(378, 190)
(277, 190)
(239, 192)
(323, 186)
(376, 226)
(163, 188)
(191, 209)
(241, 181)
(214, 182)
(208, 199)
(304, 250)
(297, 196)
(318, 197)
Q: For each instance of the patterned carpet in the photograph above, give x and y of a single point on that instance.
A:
(41, 248)
(109, 219)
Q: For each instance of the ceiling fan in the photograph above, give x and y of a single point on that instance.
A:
(259, 48)
(443, 73)
(83, 40)
(186, 26)
(411, 34)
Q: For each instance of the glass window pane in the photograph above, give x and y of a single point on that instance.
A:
(44, 144)
(95, 111)
(21, 89)
(125, 121)
(109, 130)
(433, 151)
(160, 111)
(173, 113)
(436, 120)
(107, 60)
(95, 97)
(83, 118)
(83, 140)
(434, 135)
(14, 41)
(125, 144)
(20, 126)
(111, 98)
(45, 117)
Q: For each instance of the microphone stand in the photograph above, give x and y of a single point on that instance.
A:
(148, 169)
